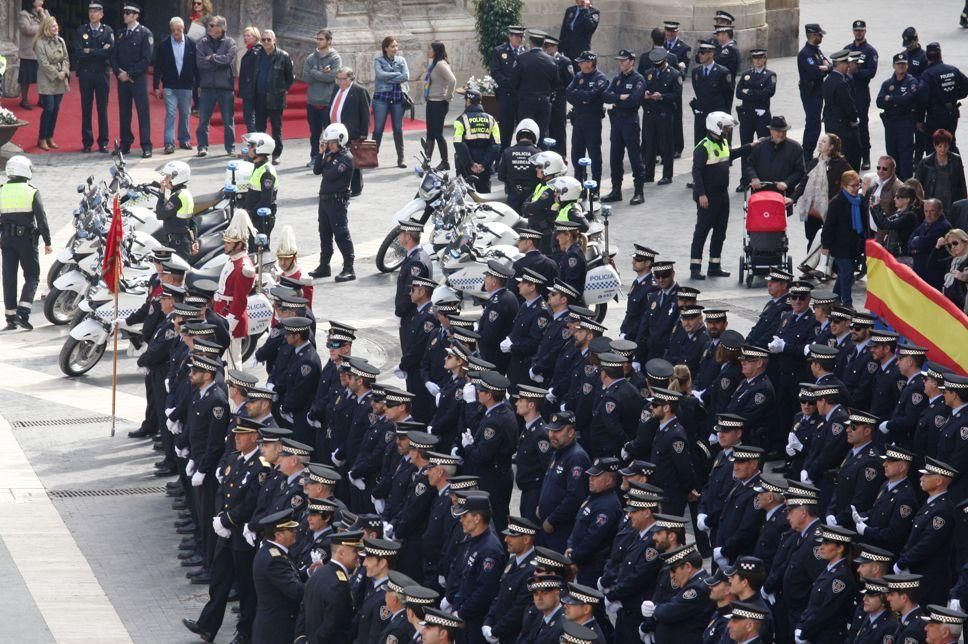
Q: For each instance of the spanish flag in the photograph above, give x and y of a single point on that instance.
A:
(916, 310)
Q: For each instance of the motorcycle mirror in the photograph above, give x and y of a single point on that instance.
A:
(584, 162)
(606, 211)
(80, 189)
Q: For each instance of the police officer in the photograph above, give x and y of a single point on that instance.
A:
(917, 58)
(754, 398)
(503, 60)
(859, 476)
(559, 105)
(415, 264)
(840, 115)
(130, 57)
(263, 183)
(586, 95)
(497, 319)
(713, 85)
(690, 338)
(661, 98)
(301, 379)
(741, 517)
(616, 411)
(176, 207)
(945, 85)
(788, 367)
(953, 439)
(279, 591)
(710, 189)
(572, 266)
(680, 50)
(754, 89)
(800, 565)
(327, 606)
(660, 314)
(533, 80)
(830, 446)
(685, 615)
(898, 97)
(778, 286)
(859, 365)
(887, 522)
(93, 48)
(625, 93)
(528, 327)
(577, 28)
(861, 76)
(935, 411)
(557, 334)
(727, 52)
(598, 518)
(533, 259)
(22, 222)
(888, 381)
(563, 488)
(477, 142)
(541, 207)
(671, 454)
(504, 618)
(813, 66)
(643, 284)
(335, 163)
(830, 606)
(514, 167)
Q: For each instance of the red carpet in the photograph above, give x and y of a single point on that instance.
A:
(68, 132)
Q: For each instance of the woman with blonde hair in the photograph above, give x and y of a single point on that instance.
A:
(201, 10)
(29, 22)
(813, 195)
(844, 230)
(951, 255)
(53, 78)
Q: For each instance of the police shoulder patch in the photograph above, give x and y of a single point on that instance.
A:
(586, 388)
(392, 639)
(305, 370)
(262, 477)
(937, 523)
(836, 428)
(871, 367)
(572, 262)
(724, 383)
(385, 613)
(488, 563)
(870, 473)
(489, 433)
(939, 420)
(296, 502)
(589, 369)
(816, 553)
(689, 593)
(916, 398)
(576, 472)
(218, 412)
(678, 446)
(900, 385)
(964, 433)
(428, 326)
(837, 586)
(544, 446)
(420, 488)
(601, 520)
(759, 398)
(905, 511)
(646, 415)
(542, 322)
(415, 270)
(651, 554)
(492, 316)
(609, 407)
(341, 576)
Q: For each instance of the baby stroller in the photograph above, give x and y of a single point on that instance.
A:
(765, 243)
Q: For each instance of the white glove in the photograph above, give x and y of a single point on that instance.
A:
(861, 526)
(769, 597)
(466, 438)
(598, 584)
(313, 423)
(190, 467)
(776, 345)
(453, 451)
(359, 484)
(855, 515)
(806, 350)
(805, 478)
(636, 366)
(648, 608)
(445, 605)
(143, 371)
(198, 478)
(176, 427)
(338, 462)
(713, 438)
(701, 524)
(287, 416)
(612, 608)
(790, 450)
(118, 323)
(955, 604)
(168, 410)
(625, 454)
(316, 556)
(621, 336)
(831, 519)
(181, 452)
(697, 394)
(469, 393)
(647, 638)
(432, 388)
(442, 581)
(797, 639)
(550, 396)
(379, 505)
(400, 373)
(233, 322)
(218, 474)
(883, 427)
(506, 345)
(794, 443)
(387, 530)
(534, 376)
(248, 535)
(900, 571)
(220, 530)
(486, 632)
(167, 390)
(718, 557)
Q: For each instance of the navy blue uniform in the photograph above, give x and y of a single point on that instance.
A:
(674, 468)
(889, 519)
(526, 334)
(586, 95)
(495, 324)
(531, 459)
(572, 267)
(480, 579)
(859, 368)
(562, 491)
(132, 53)
(860, 82)
(636, 566)
(903, 421)
(684, 617)
(768, 542)
(803, 567)
(489, 457)
(828, 451)
(930, 421)
(687, 348)
(740, 521)
(857, 483)
(953, 447)
(416, 264)
(899, 100)
(754, 89)
(886, 391)
(436, 538)
(636, 304)
(591, 538)
(538, 262)
(658, 119)
(302, 377)
(533, 80)
(713, 86)
(625, 132)
(755, 400)
(504, 58)
(326, 614)
(864, 630)
(768, 321)
(658, 321)
(789, 368)
(420, 329)
(577, 28)
(411, 522)
(279, 593)
(93, 68)
(944, 85)
(614, 419)
(840, 114)
(809, 61)
(552, 345)
(930, 534)
(831, 604)
(513, 599)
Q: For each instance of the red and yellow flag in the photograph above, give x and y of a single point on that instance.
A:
(111, 268)
(916, 310)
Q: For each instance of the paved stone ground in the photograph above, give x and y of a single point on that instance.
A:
(128, 539)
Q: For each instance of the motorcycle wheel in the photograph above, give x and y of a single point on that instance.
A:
(78, 317)
(77, 357)
(60, 306)
(249, 344)
(56, 269)
(600, 311)
(391, 255)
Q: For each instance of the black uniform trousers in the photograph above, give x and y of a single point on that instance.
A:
(715, 218)
(679, 142)
(812, 110)
(135, 91)
(751, 125)
(94, 87)
(529, 503)
(537, 108)
(230, 568)
(556, 124)
(507, 118)
(264, 116)
(334, 225)
(586, 140)
(864, 129)
(155, 385)
(204, 498)
(899, 141)
(19, 252)
(659, 140)
(624, 139)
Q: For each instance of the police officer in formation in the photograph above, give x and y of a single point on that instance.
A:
(624, 94)
(93, 49)
(130, 58)
(840, 115)
(861, 75)
(660, 101)
(503, 61)
(586, 95)
(533, 82)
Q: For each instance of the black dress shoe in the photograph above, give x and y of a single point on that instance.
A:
(612, 197)
(184, 514)
(203, 579)
(188, 529)
(346, 276)
(24, 323)
(742, 187)
(356, 193)
(197, 573)
(169, 149)
(140, 433)
(174, 486)
(185, 146)
(636, 199)
(192, 625)
(321, 271)
(696, 275)
(185, 548)
(191, 562)
(158, 446)
(86, 149)
(664, 181)
(103, 149)
(146, 154)
(11, 326)
(717, 272)
(166, 471)
(181, 523)
(677, 155)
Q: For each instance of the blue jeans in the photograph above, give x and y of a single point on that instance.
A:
(177, 101)
(380, 111)
(207, 99)
(845, 279)
(48, 119)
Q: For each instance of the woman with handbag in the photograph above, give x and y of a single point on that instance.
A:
(819, 186)
(439, 84)
(53, 78)
(390, 95)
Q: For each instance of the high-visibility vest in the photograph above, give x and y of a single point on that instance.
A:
(255, 181)
(17, 197)
(716, 151)
(187, 208)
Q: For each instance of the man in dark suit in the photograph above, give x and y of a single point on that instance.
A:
(350, 106)
(174, 79)
(533, 81)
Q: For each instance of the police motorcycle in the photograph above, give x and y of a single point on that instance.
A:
(459, 267)
(89, 336)
(435, 191)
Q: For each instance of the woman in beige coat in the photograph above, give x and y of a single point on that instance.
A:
(53, 78)
(29, 22)
(439, 83)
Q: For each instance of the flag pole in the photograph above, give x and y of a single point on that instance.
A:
(114, 373)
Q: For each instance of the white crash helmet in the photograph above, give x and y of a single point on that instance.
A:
(716, 122)
(529, 126)
(568, 188)
(550, 163)
(260, 143)
(20, 166)
(336, 132)
(177, 171)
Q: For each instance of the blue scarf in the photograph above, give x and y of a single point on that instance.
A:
(855, 219)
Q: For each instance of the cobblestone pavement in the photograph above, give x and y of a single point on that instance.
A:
(102, 487)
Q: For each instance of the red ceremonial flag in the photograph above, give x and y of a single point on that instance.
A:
(917, 310)
(111, 269)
